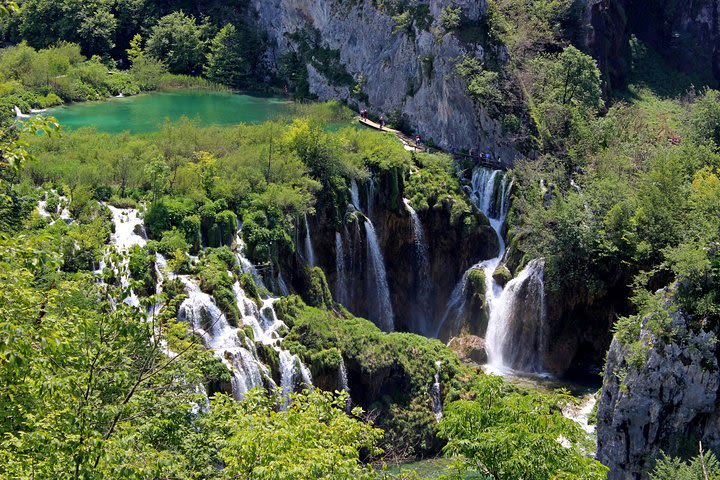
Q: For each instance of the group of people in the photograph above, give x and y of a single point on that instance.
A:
(364, 116)
(473, 153)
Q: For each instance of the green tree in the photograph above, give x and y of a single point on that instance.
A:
(570, 79)
(510, 435)
(135, 51)
(157, 177)
(226, 61)
(702, 467)
(451, 17)
(261, 443)
(177, 40)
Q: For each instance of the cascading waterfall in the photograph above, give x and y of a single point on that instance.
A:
(19, 114)
(355, 195)
(424, 286)
(265, 325)
(309, 251)
(246, 266)
(292, 373)
(129, 231)
(343, 384)
(482, 195)
(370, 197)
(341, 283)
(342, 377)
(282, 285)
(206, 319)
(381, 309)
(515, 336)
(436, 394)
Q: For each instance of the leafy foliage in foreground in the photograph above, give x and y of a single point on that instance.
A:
(508, 435)
(90, 393)
(705, 467)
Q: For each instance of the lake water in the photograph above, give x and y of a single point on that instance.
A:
(147, 112)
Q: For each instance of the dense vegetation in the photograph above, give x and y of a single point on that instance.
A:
(621, 193)
(73, 51)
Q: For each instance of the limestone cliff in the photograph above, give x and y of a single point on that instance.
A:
(356, 51)
(659, 395)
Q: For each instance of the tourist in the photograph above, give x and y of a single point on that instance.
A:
(382, 122)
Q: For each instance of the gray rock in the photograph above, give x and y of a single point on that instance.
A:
(672, 399)
(437, 107)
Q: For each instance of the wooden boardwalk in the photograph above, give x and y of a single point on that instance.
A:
(412, 146)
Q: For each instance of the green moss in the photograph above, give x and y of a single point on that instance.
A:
(476, 284)
(318, 294)
(502, 275)
(269, 356)
(397, 367)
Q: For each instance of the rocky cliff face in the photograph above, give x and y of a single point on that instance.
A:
(371, 64)
(580, 327)
(685, 34)
(667, 401)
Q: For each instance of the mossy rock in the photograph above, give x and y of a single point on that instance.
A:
(249, 333)
(250, 288)
(502, 275)
(269, 356)
(476, 284)
(319, 293)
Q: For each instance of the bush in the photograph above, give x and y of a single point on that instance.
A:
(451, 17)
(141, 265)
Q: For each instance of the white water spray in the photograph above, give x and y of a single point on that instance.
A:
(381, 306)
(436, 394)
(515, 337)
(341, 280)
(355, 195)
(309, 251)
(424, 286)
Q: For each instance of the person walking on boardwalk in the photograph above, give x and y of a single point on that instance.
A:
(382, 122)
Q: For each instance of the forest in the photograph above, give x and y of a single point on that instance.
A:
(304, 297)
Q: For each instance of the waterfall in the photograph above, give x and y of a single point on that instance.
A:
(516, 333)
(342, 377)
(282, 286)
(246, 373)
(200, 311)
(309, 252)
(381, 306)
(246, 266)
(292, 374)
(436, 394)
(516, 336)
(341, 281)
(355, 195)
(129, 231)
(482, 195)
(370, 197)
(343, 384)
(422, 268)
(18, 112)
